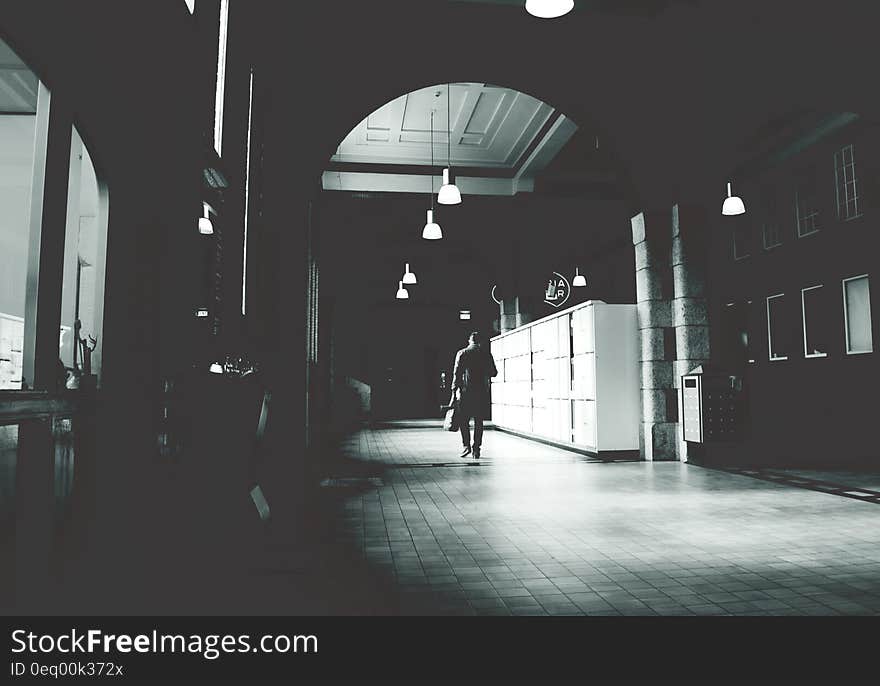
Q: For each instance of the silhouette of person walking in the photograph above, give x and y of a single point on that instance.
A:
(474, 366)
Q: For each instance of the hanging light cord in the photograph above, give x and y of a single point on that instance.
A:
(432, 160)
(449, 127)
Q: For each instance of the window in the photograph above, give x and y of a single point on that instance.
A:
(857, 315)
(806, 208)
(742, 235)
(815, 310)
(247, 195)
(18, 130)
(772, 234)
(85, 249)
(778, 328)
(30, 282)
(736, 344)
(847, 187)
(771, 231)
(219, 97)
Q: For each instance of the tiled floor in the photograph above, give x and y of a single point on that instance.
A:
(536, 530)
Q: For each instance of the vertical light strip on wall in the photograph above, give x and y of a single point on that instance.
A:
(247, 197)
(221, 78)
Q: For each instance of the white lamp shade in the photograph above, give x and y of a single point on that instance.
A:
(432, 231)
(449, 193)
(216, 368)
(409, 278)
(733, 204)
(579, 280)
(549, 9)
(402, 293)
(206, 228)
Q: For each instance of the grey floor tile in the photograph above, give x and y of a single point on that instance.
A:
(623, 538)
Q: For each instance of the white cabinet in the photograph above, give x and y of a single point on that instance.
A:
(572, 378)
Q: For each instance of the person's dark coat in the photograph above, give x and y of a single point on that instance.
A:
(474, 366)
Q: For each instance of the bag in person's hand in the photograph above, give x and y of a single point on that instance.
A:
(450, 421)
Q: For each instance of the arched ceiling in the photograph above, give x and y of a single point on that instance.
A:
(495, 138)
(491, 127)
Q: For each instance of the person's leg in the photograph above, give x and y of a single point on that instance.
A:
(478, 432)
(465, 428)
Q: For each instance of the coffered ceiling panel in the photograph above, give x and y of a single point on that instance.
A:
(18, 84)
(491, 128)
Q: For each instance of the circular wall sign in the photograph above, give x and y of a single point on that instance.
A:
(558, 290)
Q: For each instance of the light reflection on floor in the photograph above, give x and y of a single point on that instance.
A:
(536, 530)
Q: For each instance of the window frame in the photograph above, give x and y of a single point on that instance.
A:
(846, 315)
(764, 232)
(811, 216)
(737, 257)
(770, 331)
(843, 210)
(220, 84)
(808, 355)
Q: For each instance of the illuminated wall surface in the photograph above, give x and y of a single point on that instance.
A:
(572, 378)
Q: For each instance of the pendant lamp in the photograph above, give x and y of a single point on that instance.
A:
(449, 193)
(402, 293)
(206, 228)
(432, 231)
(549, 9)
(409, 278)
(579, 279)
(733, 204)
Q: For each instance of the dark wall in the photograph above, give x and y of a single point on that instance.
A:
(139, 79)
(801, 410)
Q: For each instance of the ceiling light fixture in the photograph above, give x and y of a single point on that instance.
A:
(733, 204)
(402, 293)
(449, 193)
(432, 230)
(549, 9)
(579, 279)
(409, 277)
(206, 228)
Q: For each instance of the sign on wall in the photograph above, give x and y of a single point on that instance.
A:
(558, 290)
(494, 296)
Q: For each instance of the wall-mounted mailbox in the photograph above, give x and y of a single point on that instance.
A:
(713, 406)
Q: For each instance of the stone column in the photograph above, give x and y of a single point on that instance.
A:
(525, 310)
(508, 308)
(690, 315)
(651, 238)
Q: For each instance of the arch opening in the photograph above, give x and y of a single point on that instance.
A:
(41, 149)
(541, 195)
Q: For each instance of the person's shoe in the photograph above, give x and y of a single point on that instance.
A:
(465, 451)
(476, 453)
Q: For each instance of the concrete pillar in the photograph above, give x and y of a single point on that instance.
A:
(525, 310)
(651, 239)
(690, 315)
(508, 310)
